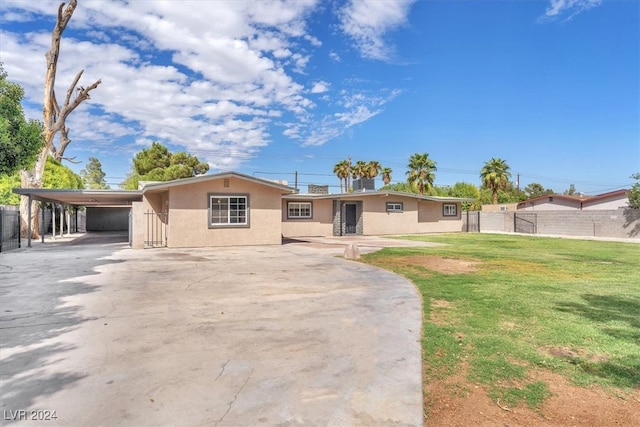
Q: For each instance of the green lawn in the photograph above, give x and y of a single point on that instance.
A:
(570, 306)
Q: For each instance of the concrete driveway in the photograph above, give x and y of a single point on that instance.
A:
(278, 335)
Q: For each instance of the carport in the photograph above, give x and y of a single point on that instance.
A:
(96, 199)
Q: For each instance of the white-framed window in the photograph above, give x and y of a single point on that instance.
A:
(299, 210)
(227, 210)
(394, 207)
(449, 209)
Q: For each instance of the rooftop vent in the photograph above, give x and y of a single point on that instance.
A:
(363, 184)
(318, 189)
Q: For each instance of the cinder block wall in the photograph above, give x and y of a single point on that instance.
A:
(618, 223)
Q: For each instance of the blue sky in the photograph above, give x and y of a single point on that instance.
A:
(273, 87)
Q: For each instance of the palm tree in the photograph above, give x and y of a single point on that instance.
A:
(420, 173)
(495, 176)
(359, 169)
(342, 169)
(373, 169)
(386, 175)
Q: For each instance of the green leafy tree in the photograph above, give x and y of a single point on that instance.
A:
(634, 193)
(56, 175)
(93, 176)
(157, 163)
(495, 176)
(421, 172)
(571, 191)
(536, 190)
(7, 184)
(20, 139)
(403, 187)
(467, 190)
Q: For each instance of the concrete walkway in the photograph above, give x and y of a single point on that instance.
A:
(279, 335)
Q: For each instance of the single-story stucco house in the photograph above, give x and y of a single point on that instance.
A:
(231, 208)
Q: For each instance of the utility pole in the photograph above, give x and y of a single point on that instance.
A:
(518, 183)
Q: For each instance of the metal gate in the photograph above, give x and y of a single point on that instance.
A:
(156, 232)
(9, 229)
(471, 222)
(525, 222)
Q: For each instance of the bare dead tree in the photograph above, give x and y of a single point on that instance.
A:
(55, 116)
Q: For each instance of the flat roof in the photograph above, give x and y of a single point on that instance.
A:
(371, 193)
(90, 198)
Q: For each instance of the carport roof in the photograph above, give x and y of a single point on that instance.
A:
(82, 197)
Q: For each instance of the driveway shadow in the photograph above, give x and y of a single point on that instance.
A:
(35, 313)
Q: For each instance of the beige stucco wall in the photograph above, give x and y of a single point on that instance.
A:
(500, 207)
(556, 205)
(320, 225)
(377, 221)
(418, 216)
(137, 224)
(151, 203)
(189, 217)
(613, 203)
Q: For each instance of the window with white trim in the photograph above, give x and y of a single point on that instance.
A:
(449, 210)
(228, 210)
(299, 210)
(394, 207)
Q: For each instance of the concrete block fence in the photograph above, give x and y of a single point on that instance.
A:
(618, 223)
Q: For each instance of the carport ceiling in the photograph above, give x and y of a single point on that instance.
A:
(83, 197)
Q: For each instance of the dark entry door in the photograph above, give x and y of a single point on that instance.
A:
(351, 219)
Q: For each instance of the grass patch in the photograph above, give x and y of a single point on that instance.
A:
(505, 305)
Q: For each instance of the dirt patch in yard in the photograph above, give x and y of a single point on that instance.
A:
(454, 401)
(436, 263)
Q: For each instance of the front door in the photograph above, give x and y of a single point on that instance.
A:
(351, 218)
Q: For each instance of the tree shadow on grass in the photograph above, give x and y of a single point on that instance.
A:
(606, 308)
(603, 310)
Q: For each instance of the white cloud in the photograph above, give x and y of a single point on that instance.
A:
(367, 22)
(168, 74)
(320, 87)
(569, 8)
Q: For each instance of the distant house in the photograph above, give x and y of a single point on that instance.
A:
(611, 200)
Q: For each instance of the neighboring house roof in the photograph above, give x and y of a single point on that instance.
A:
(578, 199)
(154, 186)
(360, 194)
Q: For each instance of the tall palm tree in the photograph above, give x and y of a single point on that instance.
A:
(386, 175)
(421, 172)
(342, 169)
(495, 176)
(373, 169)
(359, 170)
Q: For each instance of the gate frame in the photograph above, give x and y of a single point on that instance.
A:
(157, 225)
